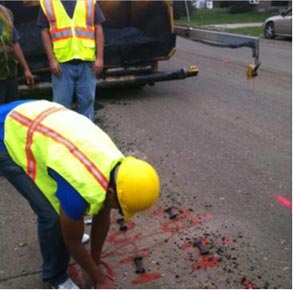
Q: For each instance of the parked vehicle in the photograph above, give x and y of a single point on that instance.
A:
(280, 25)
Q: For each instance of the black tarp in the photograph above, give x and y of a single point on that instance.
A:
(123, 46)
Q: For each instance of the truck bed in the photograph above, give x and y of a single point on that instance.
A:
(138, 35)
(135, 32)
(124, 46)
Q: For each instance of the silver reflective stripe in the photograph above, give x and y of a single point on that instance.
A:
(90, 9)
(83, 33)
(61, 34)
(49, 10)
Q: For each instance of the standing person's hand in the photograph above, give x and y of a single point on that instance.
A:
(29, 78)
(55, 68)
(98, 66)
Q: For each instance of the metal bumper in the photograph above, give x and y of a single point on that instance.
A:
(148, 78)
(128, 77)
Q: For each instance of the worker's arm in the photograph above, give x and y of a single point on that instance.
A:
(20, 57)
(99, 62)
(99, 231)
(54, 65)
(72, 231)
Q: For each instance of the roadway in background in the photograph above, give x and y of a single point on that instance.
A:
(222, 146)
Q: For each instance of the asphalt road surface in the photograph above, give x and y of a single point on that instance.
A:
(222, 147)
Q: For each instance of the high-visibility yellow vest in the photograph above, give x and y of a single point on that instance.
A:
(72, 38)
(8, 62)
(42, 134)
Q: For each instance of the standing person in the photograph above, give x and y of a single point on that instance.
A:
(67, 167)
(73, 39)
(10, 54)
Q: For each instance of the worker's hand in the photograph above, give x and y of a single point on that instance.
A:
(55, 68)
(108, 283)
(98, 66)
(29, 78)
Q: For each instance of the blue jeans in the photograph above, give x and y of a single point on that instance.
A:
(79, 79)
(53, 250)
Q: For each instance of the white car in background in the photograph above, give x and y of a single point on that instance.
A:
(280, 25)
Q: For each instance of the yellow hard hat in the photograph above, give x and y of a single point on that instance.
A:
(137, 185)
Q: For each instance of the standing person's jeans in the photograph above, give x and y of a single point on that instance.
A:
(53, 250)
(77, 78)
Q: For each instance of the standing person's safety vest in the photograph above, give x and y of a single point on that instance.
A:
(41, 135)
(72, 38)
(8, 62)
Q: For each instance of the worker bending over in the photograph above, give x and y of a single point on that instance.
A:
(67, 167)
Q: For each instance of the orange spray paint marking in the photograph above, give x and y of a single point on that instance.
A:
(190, 245)
(208, 216)
(175, 226)
(284, 201)
(146, 277)
(207, 262)
(204, 242)
(172, 225)
(187, 246)
(248, 284)
(157, 212)
(130, 259)
(113, 239)
(227, 241)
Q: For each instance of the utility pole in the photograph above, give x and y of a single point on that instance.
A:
(187, 10)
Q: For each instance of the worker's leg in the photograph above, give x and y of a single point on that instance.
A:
(9, 90)
(63, 86)
(3, 90)
(12, 93)
(86, 89)
(53, 250)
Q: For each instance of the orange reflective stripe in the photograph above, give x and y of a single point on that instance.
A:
(25, 122)
(32, 166)
(89, 165)
(56, 30)
(57, 137)
(32, 126)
